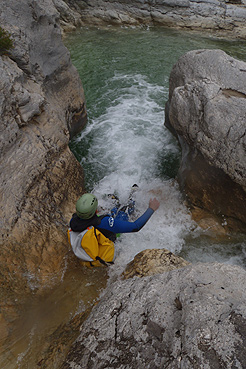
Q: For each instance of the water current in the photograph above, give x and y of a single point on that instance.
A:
(125, 74)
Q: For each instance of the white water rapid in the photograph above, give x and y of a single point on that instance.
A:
(127, 143)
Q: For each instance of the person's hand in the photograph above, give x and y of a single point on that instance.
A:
(154, 204)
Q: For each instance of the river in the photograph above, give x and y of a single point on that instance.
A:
(125, 74)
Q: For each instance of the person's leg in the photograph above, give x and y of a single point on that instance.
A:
(129, 208)
(122, 216)
(126, 210)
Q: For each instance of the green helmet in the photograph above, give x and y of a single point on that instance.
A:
(86, 206)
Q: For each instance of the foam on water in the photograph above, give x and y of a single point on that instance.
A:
(166, 228)
(202, 248)
(127, 137)
(126, 142)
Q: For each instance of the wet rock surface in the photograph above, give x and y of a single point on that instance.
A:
(153, 261)
(207, 112)
(193, 317)
(42, 105)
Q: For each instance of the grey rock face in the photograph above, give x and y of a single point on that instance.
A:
(69, 14)
(41, 106)
(208, 99)
(187, 318)
(35, 31)
(207, 110)
(221, 16)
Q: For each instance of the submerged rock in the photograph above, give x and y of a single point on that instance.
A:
(42, 105)
(207, 112)
(214, 226)
(194, 317)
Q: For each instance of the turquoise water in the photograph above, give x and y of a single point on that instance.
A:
(125, 73)
(118, 65)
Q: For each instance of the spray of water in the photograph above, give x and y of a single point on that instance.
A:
(126, 144)
(125, 75)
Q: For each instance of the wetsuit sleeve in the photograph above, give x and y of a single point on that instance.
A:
(121, 226)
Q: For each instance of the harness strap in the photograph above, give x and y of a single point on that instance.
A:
(106, 263)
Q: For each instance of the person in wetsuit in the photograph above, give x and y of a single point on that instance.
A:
(109, 224)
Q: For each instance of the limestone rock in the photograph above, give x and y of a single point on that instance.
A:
(153, 261)
(194, 317)
(225, 17)
(207, 112)
(42, 105)
(69, 15)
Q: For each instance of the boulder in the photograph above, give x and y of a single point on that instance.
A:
(42, 106)
(153, 261)
(192, 317)
(207, 112)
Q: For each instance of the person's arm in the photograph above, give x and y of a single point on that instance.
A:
(121, 226)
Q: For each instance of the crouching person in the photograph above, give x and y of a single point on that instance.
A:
(92, 247)
(92, 236)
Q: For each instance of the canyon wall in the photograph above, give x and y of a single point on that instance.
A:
(207, 112)
(222, 17)
(42, 106)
